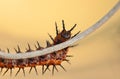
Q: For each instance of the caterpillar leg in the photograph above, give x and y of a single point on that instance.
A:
(23, 71)
(69, 55)
(1, 70)
(62, 67)
(73, 45)
(47, 68)
(5, 71)
(42, 69)
(35, 70)
(19, 71)
(54, 67)
(68, 61)
(10, 71)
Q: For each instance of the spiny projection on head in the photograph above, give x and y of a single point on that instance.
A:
(53, 59)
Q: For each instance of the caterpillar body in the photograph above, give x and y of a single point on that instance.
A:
(52, 59)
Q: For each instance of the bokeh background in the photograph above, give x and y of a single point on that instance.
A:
(96, 57)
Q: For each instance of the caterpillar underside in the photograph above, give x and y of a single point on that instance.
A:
(53, 59)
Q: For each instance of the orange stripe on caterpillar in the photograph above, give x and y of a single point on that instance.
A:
(55, 58)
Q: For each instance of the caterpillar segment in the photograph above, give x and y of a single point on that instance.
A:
(53, 59)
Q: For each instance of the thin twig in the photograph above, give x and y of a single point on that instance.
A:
(64, 44)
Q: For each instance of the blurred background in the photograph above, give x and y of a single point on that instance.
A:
(96, 57)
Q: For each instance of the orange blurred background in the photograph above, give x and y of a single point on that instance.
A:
(96, 57)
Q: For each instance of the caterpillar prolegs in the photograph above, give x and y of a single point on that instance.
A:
(53, 59)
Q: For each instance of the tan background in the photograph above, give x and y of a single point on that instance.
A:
(96, 57)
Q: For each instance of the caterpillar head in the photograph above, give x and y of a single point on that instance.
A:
(66, 34)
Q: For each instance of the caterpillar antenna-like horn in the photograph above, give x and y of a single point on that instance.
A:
(63, 25)
(72, 28)
(56, 28)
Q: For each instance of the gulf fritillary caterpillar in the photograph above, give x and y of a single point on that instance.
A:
(55, 58)
(58, 57)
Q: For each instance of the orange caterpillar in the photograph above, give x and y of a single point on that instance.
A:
(55, 58)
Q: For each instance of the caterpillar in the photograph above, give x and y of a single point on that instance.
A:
(52, 59)
(53, 53)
